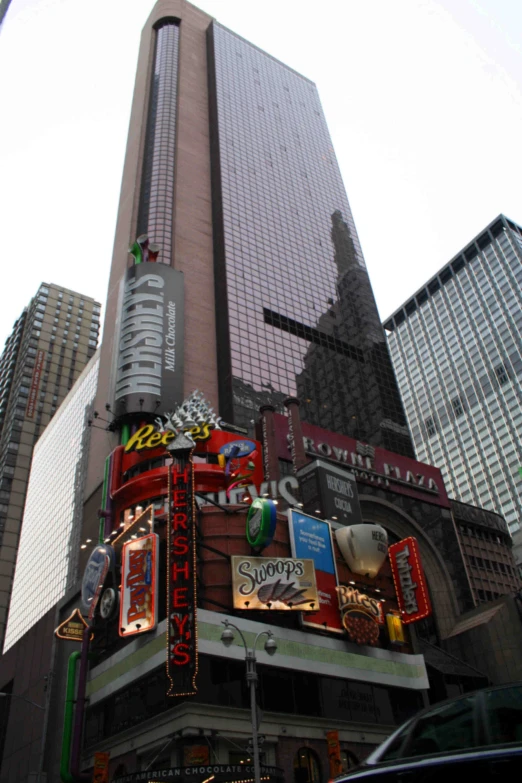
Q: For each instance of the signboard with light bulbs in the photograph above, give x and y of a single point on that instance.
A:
(139, 585)
(274, 583)
(410, 582)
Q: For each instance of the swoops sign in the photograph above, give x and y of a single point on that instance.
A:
(149, 357)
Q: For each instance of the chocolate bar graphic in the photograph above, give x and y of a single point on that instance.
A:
(288, 593)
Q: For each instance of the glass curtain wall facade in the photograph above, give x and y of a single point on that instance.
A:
(456, 349)
(53, 510)
(156, 205)
(296, 312)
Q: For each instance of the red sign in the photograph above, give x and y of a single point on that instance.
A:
(139, 585)
(334, 753)
(35, 384)
(100, 773)
(371, 464)
(410, 583)
(182, 651)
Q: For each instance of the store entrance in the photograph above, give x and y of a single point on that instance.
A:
(210, 773)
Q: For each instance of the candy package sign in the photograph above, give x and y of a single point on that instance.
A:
(139, 585)
(277, 583)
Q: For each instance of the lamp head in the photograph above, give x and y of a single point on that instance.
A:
(271, 645)
(227, 637)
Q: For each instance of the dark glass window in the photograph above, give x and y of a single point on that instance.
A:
(446, 728)
(298, 315)
(504, 715)
(431, 427)
(157, 187)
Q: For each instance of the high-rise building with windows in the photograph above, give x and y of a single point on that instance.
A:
(49, 346)
(230, 170)
(245, 281)
(456, 349)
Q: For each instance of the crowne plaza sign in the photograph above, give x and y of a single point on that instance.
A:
(369, 464)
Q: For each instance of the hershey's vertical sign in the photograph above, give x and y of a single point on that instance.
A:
(148, 371)
(182, 650)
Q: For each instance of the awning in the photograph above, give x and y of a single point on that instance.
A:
(474, 619)
(445, 663)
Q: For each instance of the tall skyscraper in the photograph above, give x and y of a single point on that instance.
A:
(245, 281)
(49, 346)
(456, 349)
(230, 171)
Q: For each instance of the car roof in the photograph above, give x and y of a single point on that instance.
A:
(418, 715)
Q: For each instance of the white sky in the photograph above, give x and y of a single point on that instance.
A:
(423, 99)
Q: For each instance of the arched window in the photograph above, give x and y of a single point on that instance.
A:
(306, 766)
(348, 760)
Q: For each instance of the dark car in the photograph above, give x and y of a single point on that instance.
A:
(477, 733)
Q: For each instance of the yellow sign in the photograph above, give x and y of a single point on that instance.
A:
(276, 583)
(72, 629)
(395, 629)
(148, 437)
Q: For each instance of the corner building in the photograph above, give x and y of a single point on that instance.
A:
(229, 172)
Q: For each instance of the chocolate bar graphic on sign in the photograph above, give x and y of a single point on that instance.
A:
(286, 592)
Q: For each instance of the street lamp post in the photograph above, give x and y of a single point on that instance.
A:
(227, 637)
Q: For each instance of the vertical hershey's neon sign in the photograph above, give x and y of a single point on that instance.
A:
(182, 648)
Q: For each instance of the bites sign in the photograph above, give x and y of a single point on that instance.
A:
(362, 615)
(182, 651)
(410, 583)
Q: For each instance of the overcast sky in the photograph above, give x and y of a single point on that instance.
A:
(423, 99)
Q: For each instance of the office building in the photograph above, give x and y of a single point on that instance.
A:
(49, 346)
(487, 551)
(230, 171)
(53, 510)
(455, 346)
(238, 223)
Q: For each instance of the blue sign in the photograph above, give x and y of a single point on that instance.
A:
(312, 539)
(94, 576)
(237, 448)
